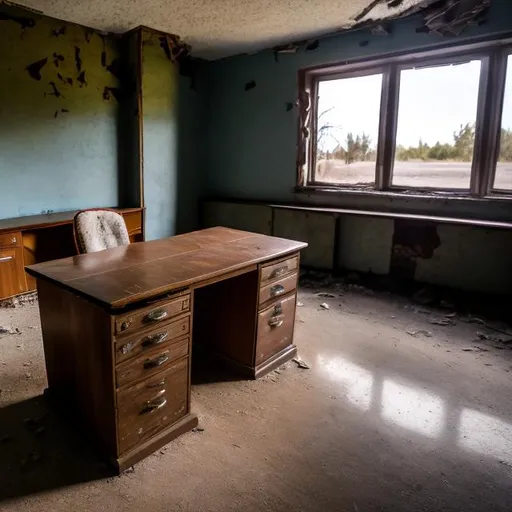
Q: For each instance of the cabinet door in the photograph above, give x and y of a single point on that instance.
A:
(12, 275)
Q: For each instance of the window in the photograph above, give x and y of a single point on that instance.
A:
(436, 126)
(425, 122)
(503, 176)
(346, 141)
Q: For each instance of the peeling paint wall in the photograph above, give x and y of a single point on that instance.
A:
(58, 142)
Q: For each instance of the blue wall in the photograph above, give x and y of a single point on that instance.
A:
(252, 138)
(57, 151)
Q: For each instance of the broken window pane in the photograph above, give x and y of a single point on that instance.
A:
(347, 130)
(503, 177)
(436, 126)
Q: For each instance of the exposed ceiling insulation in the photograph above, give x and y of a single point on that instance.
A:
(220, 28)
(214, 28)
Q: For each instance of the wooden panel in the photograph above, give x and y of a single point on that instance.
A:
(152, 315)
(151, 362)
(144, 411)
(46, 244)
(114, 277)
(278, 288)
(12, 279)
(133, 221)
(79, 360)
(275, 328)
(275, 270)
(131, 346)
(10, 239)
(225, 317)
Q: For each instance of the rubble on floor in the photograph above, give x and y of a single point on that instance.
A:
(19, 300)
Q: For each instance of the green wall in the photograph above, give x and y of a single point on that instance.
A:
(159, 137)
(58, 144)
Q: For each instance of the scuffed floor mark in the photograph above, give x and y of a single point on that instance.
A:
(34, 69)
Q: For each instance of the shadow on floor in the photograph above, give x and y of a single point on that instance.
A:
(207, 369)
(40, 451)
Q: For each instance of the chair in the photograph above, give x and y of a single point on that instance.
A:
(99, 229)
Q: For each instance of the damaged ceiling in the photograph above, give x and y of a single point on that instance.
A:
(220, 28)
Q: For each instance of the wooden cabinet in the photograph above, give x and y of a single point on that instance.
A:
(126, 392)
(25, 241)
(12, 276)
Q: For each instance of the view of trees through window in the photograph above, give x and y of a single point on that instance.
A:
(347, 130)
(503, 177)
(436, 124)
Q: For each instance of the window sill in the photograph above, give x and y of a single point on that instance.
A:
(400, 193)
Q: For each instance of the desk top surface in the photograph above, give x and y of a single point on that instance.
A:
(47, 219)
(118, 277)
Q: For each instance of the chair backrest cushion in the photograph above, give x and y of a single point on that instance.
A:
(97, 230)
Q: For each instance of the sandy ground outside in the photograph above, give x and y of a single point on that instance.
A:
(411, 174)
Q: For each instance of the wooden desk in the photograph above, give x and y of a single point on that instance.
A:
(117, 328)
(36, 238)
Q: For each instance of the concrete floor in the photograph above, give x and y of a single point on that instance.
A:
(383, 421)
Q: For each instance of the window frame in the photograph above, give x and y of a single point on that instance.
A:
(493, 55)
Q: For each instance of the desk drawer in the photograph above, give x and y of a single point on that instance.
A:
(10, 240)
(130, 346)
(152, 315)
(146, 408)
(278, 288)
(151, 362)
(275, 328)
(272, 271)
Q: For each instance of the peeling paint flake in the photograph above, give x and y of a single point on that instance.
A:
(23, 21)
(57, 59)
(34, 69)
(81, 79)
(78, 59)
(55, 92)
(250, 85)
(59, 32)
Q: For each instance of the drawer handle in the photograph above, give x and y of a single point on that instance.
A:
(126, 348)
(157, 361)
(155, 316)
(156, 339)
(276, 322)
(156, 384)
(276, 290)
(280, 271)
(154, 405)
(5, 258)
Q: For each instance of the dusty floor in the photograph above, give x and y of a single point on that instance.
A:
(385, 420)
